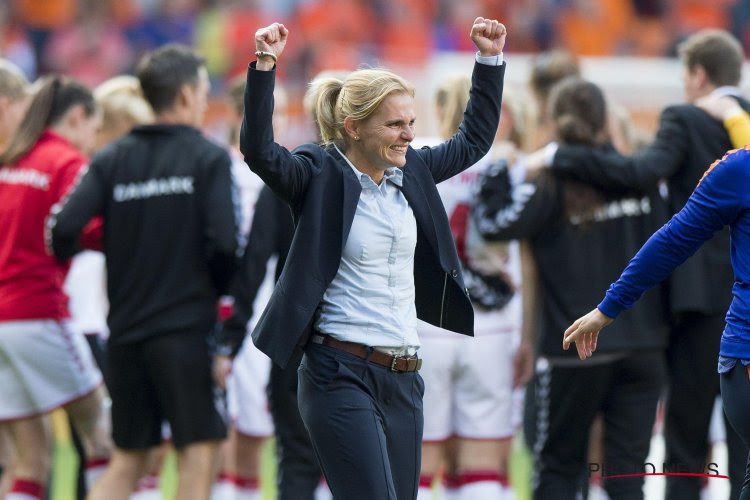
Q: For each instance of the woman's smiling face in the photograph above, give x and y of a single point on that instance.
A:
(385, 135)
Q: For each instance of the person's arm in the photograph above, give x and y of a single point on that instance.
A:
(286, 173)
(735, 119)
(477, 130)
(523, 360)
(78, 203)
(714, 204)
(220, 228)
(614, 172)
(503, 210)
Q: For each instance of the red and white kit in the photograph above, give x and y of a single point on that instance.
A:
(469, 381)
(45, 364)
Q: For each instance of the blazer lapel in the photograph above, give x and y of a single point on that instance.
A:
(351, 191)
(417, 199)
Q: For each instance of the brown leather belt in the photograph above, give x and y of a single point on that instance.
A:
(399, 364)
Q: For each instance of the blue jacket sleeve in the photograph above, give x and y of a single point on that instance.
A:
(714, 204)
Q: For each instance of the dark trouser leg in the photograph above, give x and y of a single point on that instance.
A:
(693, 383)
(629, 412)
(737, 452)
(735, 395)
(567, 398)
(365, 424)
(298, 473)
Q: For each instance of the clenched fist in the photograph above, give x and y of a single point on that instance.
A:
(489, 36)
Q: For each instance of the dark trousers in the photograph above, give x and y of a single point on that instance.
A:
(365, 423)
(735, 395)
(693, 385)
(568, 398)
(297, 474)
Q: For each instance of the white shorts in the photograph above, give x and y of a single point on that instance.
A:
(468, 384)
(246, 388)
(44, 364)
(246, 392)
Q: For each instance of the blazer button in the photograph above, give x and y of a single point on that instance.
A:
(454, 273)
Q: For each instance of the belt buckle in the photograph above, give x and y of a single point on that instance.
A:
(395, 359)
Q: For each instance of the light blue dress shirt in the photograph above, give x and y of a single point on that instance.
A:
(371, 299)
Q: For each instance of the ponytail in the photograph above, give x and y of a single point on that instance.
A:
(324, 94)
(55, 96)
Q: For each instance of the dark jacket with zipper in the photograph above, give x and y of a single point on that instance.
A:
(323, 191)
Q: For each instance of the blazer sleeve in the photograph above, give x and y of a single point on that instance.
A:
(286, 173)
(246, 283)
(477, 130)
(612, 171)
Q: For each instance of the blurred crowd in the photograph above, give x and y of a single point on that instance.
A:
(93, 40)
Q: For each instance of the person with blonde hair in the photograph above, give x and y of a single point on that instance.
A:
(123, 107)
(470, 412)
(14, 93)
(372, 251)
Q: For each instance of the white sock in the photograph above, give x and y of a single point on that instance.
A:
(224, 488)
(425, 488)
(487, 485)
(248, 488)
(451, 487)
(25, 489)
(147, 489)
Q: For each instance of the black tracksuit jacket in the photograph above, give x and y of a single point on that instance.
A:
(170, 231)
(578, 257)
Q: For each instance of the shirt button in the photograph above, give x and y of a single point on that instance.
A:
(454, 273)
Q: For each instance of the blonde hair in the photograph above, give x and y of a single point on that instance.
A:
(13, 83)
(122, 103)
(451, 98)
(356, 96)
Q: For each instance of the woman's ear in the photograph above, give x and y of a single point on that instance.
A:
(75, 116)
(351, 126)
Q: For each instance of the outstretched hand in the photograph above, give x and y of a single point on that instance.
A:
(271, 39)
(585, 332)
(488, 35)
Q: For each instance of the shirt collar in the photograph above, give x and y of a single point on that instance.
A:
(392, 174)
(726, 90)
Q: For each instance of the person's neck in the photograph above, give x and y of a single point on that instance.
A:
(360, 163)
(173, 117)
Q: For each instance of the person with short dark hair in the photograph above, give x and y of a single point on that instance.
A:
(170, 241)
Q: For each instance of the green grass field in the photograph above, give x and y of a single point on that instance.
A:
(65, 462)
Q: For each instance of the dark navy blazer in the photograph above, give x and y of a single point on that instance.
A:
(323, 191)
